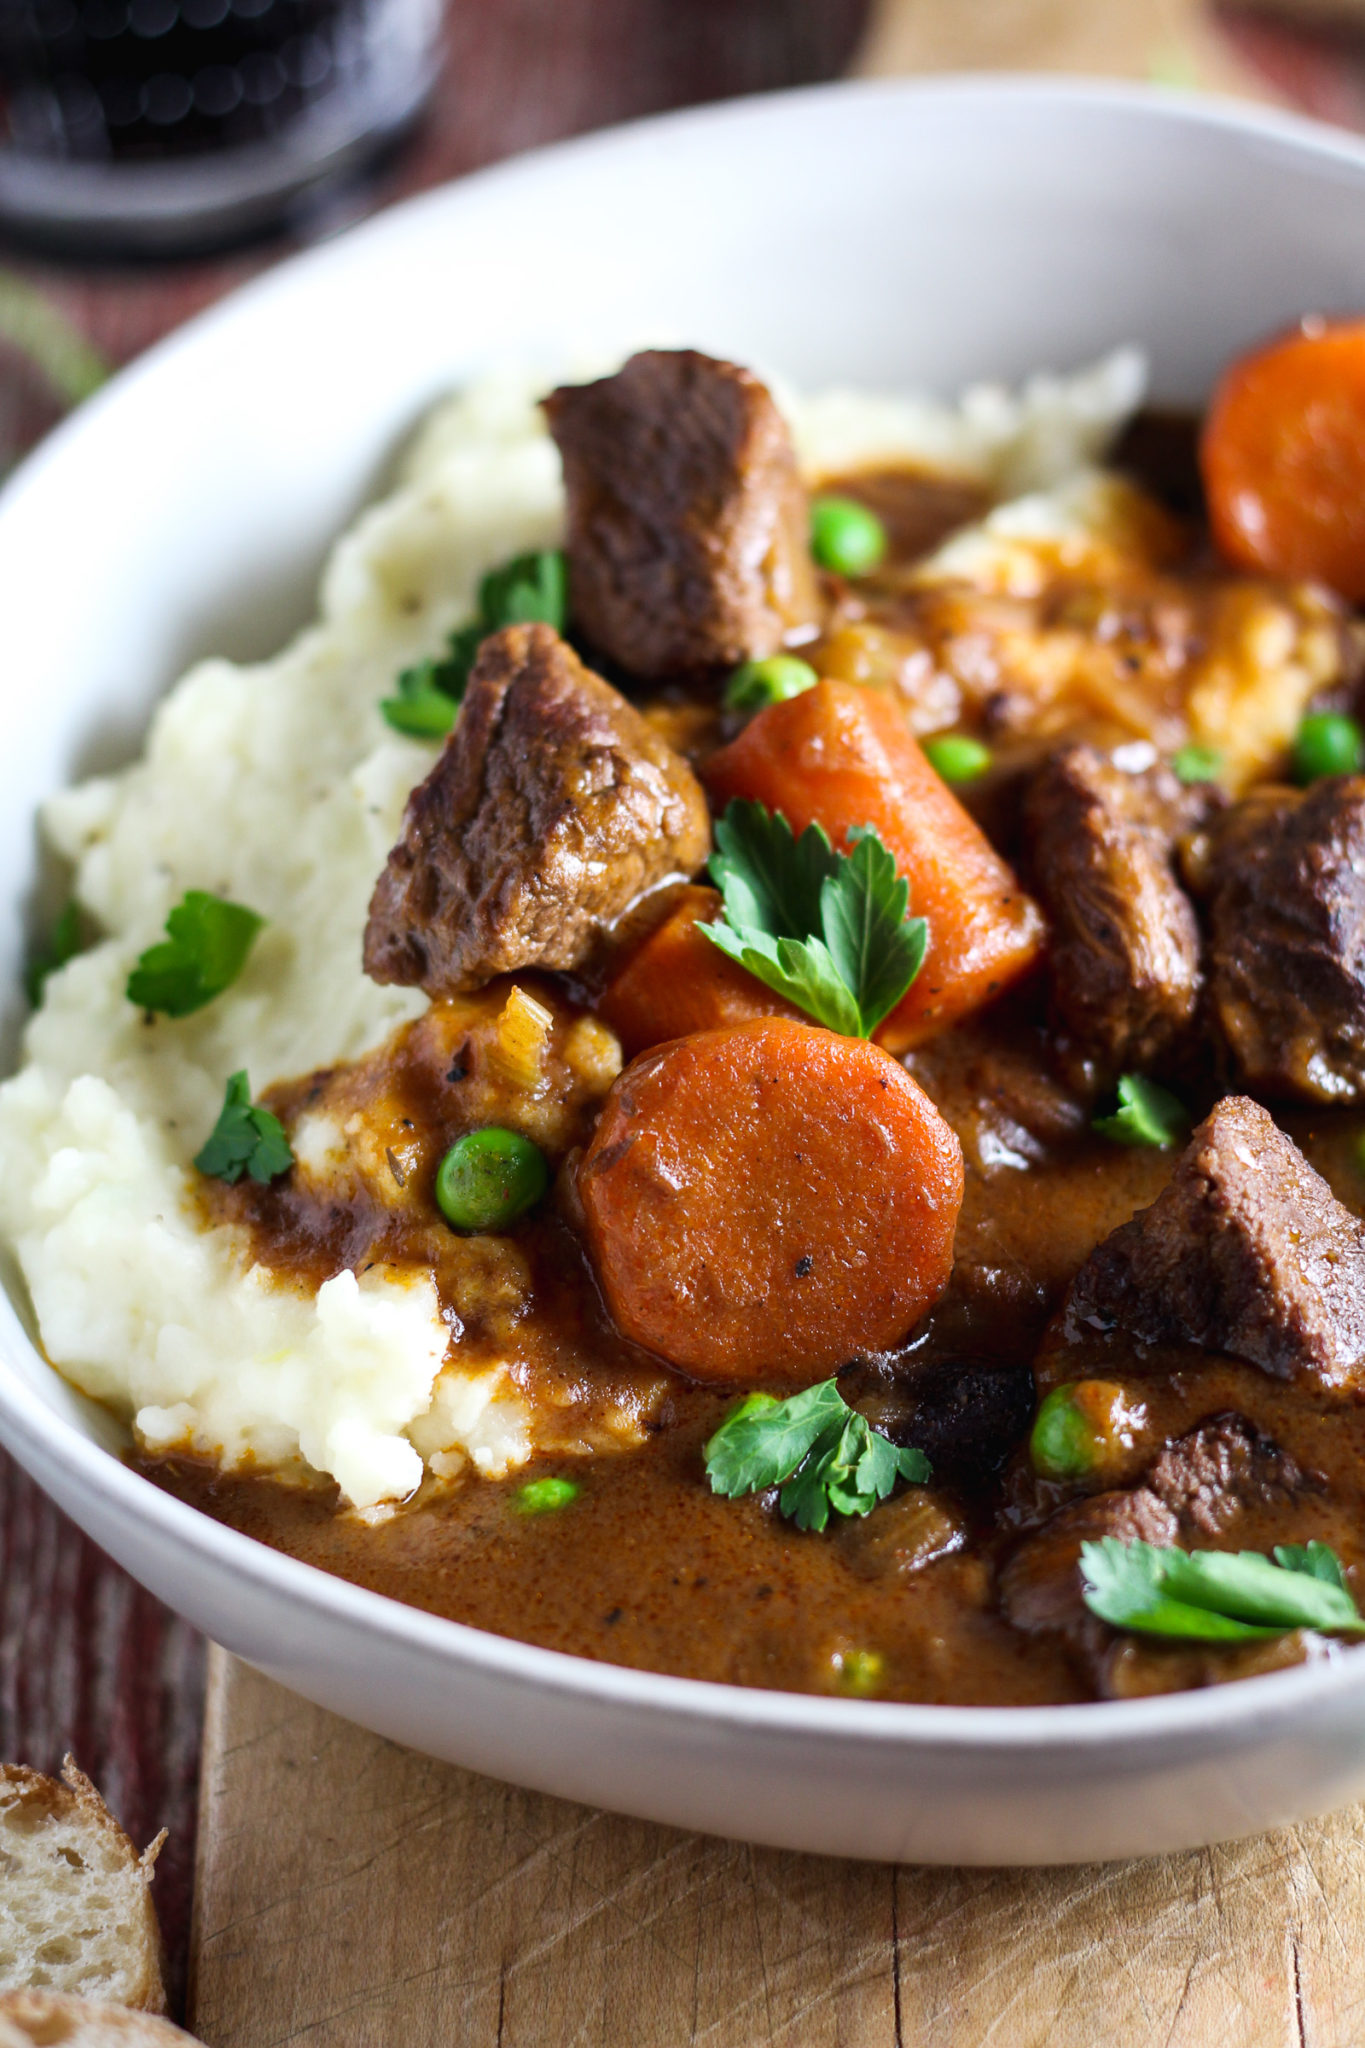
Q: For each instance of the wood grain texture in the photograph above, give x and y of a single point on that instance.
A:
(91, 1663)
(354, 1895)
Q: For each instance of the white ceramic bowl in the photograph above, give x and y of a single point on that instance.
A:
(890, 234)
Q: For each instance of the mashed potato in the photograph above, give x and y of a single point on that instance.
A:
(279, 785)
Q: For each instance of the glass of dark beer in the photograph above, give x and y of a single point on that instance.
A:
(137, 127)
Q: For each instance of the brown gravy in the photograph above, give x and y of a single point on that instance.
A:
(646, 1568)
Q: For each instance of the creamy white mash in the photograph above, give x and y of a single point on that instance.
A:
(280, 786)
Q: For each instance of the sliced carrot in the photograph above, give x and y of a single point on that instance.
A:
(841, 756)
(677, 981)
(767, 1201)
(1283, 457)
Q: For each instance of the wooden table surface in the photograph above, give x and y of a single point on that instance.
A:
(88, 1661)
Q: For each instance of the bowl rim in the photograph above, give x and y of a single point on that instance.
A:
(37, 1435)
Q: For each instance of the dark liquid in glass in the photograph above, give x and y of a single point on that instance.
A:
(124, 83)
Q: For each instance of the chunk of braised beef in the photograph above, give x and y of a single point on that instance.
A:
(1224, 1468)
(552, 808)
(1125, 957)
(1202, 1486)
(1285, 876)
(687, 521)
(1040, 1587)
(1246, 1251)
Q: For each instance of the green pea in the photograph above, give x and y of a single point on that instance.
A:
(545, 1496)
(957, 757)
(1197, 764)
(1328, 743)
(858, 1673)
(845, 536)
(1062, 1445)
(1082, 1428)
(771, 681)
(489, 1177)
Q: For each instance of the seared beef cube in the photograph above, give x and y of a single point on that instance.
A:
(1246, 1251)
(687, 522)
(1125, 957)
(1040, 1587)
(552, 808)
(1224, 1468)
(1285, 873)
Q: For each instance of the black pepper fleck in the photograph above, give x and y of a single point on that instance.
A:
(805, 1265)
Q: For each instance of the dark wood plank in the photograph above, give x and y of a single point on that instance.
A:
(91, 1663)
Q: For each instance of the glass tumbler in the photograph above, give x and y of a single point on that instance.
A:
(144, 127)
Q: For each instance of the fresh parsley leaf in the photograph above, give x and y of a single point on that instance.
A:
(877, 947)
(770, 880)
(245, 1139)
(64, 942)
(1197, 764)
(205, 950)
(529, 587)
(824, 1455)
(827, 930)
(1318, 1560)
(422, 709)
(762, 1442)
(1216, 1596)
(799, 969)
(1147, 1114)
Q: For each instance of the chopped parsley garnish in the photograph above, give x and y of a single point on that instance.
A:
(1197, 764)
(64, 942)
(204, 951)
(1147, 1114)
(423, 709)
(245, 1139)
(824, 1455)
(526, 589)
(827, 930)
(1218, 1596)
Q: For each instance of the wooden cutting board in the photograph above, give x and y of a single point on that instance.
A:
(354, 1895)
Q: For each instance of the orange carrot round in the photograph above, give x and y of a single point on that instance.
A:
(1283, 457)
(676, 981)
(842, 756)
(767, 1201)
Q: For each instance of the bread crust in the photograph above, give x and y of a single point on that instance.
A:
(74, 1802)
(55, 2019)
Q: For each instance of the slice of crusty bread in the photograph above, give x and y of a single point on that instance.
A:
(76, 1914)
(53, 2019)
